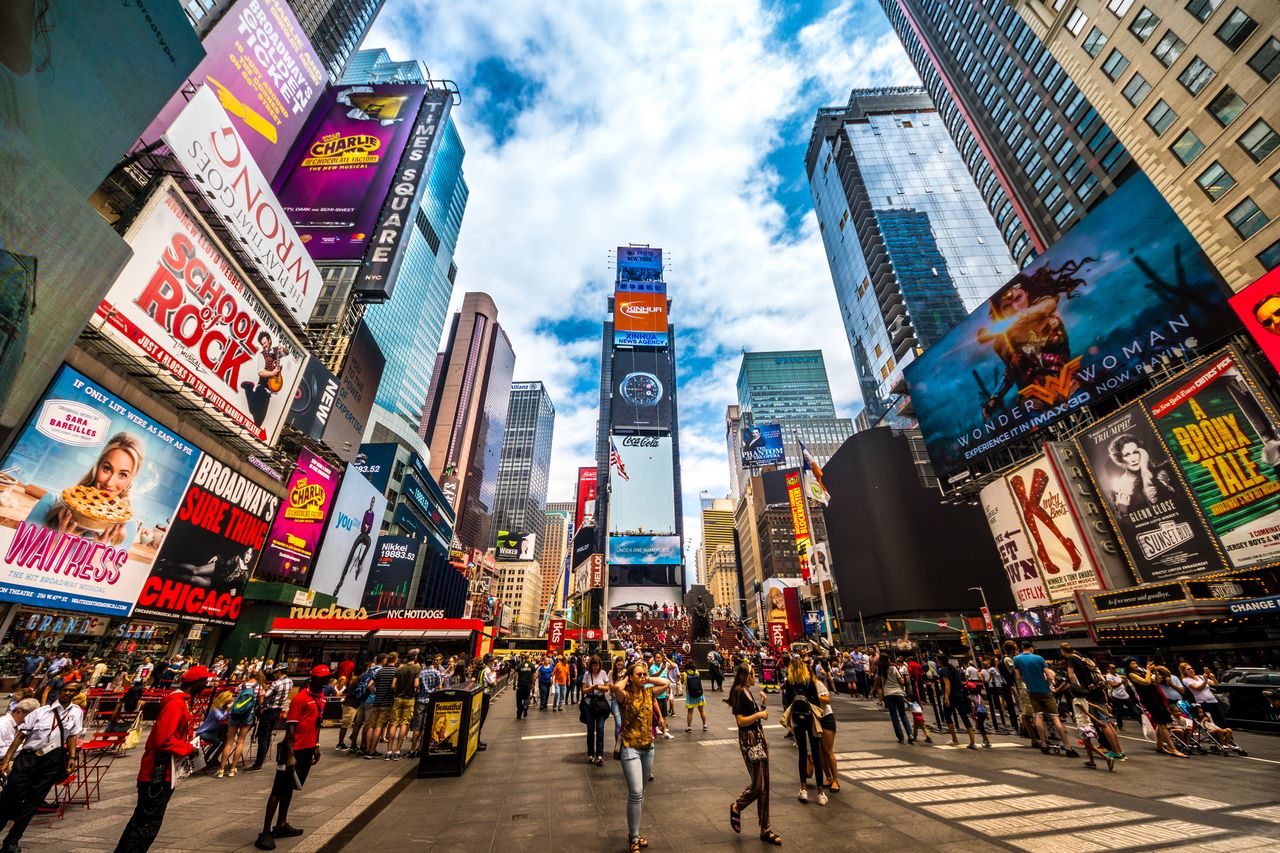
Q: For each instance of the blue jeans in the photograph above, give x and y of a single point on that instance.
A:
(595, 735)
(560, 692)
(636, 764)
(617, 719)
(544, 689)
(897, 707)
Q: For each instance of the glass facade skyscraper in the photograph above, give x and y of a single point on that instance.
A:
(520, 499)
(791, 384)
(911, 245)
(336, 28)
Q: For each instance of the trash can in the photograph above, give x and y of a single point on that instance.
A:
(452, 731)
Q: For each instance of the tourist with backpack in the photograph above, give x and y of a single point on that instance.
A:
(353, 709)
(240, 719)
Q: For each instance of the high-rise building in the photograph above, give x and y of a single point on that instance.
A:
(1189, 88)
(717, 537)
(554, 558)
(465, 416)
(733, 444)
(722, 579)
(520, 590)
(910, 243)
(520, 500)
(336, 28)
(1041, 156)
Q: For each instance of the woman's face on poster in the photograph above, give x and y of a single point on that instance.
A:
(115, 472)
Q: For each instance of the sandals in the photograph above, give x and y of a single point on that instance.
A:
(771, 837)
(641, 842)
(735, 817)
(834, 787)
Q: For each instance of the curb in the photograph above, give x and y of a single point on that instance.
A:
(335, 833)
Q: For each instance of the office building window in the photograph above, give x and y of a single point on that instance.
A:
(1093, 42)
(1236, 29)
(1227, 107)
(1144, 24)
(1169, 48)
(1247, 218)
(1119, 7)
(1161, 117)
(1076, 22)
(1187, 147)
(1115, 65)
(1270, 256)
(1137, 89)
(1215, 181)
(1201, 10)
(1267, 60)
(1259, 140)
(1195, 76)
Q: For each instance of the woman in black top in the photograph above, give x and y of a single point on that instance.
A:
(801, 696)
(755, 752)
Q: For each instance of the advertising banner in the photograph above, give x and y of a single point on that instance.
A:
(1145, 498)
(340, 170)
(512, 546)
(639, 263)
(586, 514)
(214, 540)
(555, 635)
(1012, 545)
(644, 550)
(762, 445)
(642, 389)
(774, 486)
(446, 719)
(1258, 307)
(391, 575)
(1099, 533)
(640, 319)
(291, 542)
(204, 140)
(1222, 436)
(795, 621)
(1059, 546)
(778, 635)
(87, 495)
(357, 388)
(1123, 289)
(799, 520)
(375, 461)
(313, 400)
(642, 490)
(350, 538)
(1045, 622)
(180, 304)
(595, 572)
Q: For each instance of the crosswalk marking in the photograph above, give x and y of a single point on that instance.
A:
(1012, 805)
(973, 792)
(891, 772)
(1197, 803)
(1147, 833)
(1251, 843)
(718, 742)
(1049, 821)
(879, 762)
(966, 746)
(1023, 773)
(909, 782)
(1267, 813)
(855, 756)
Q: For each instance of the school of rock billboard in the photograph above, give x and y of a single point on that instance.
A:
(1060, 548)
(1123, 289)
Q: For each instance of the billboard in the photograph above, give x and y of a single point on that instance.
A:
(87, 495)
(1015, 552)
(644, 550)
(1222, 436)
(1125, 288)
(1145, 498)
(642, 486)
(511, 545)
(313, 399)
(375, 461)
(357, 388)
(639, 263)
(391, 575)
(800, 521)
(586, 515)
(265, 75)
(640, 319)
(642, 389)
(1046, 622)
(214, 540)
(204, 140)
(1060, 548)
(762, 445)
(350, 540)
(1258, 307)
(774, 486)
(295, 532)
(340, 169)
(182, 306)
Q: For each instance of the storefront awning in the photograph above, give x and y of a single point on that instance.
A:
(311, 633)
(370, 628)
(423, 633)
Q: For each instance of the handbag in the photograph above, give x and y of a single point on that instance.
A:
(600, 705)
(754, 748)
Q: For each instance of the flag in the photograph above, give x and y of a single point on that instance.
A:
(615, 460)
(810, 464)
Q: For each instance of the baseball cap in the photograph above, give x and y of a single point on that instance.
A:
(196, 673)
(321, 671)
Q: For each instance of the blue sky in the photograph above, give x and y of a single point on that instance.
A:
(683, 125)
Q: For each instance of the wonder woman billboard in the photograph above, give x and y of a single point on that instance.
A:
(1124, 288)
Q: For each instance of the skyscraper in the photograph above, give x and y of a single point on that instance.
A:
(910, 243)
(1037, 151)
(556, 537)
(520, 499)
(717, 532)
(465, 415)
(336, 28)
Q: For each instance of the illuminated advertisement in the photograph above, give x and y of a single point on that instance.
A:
(640, 319)
(341, 168)
(1145, 498)
(357, 388)
(586, 515)
(391, 575)
(1012, 545)
(375, 461)
(762, 445)
(642, 486)
(213, 541)
(1063, 557)
(1046, 622)
(1258, 307)
(1222, 436)
(182, 306)
(1123, 289)
(88, 493)
(291, 542)
(644, 550)
(350, 540)
(642, 390)
(639, 263)
(511, 546)
(800, 521)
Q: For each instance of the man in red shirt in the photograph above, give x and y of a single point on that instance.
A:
(346, 668)
(170, 738)
(295, 756)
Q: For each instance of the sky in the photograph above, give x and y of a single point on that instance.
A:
(683, 125)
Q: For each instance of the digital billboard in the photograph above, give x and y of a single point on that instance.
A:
(642, 390)
(644, 550)
(264, 73)
(391, 575)
(1123, 289)
(642, 486)
(1145, 498)
(341, 168)
(1012, 545)
(350, 540)
(1221, 434)
(87, 495)
(1063, 556)
(313, 399)
(213, 541)
(1258, 307)
(180, 305)
(512, 545)
(291, 542)
(774, 486)
(1046, 622)
(636, 263)
(799, 521)
(640, 319)
(586, 515)
(357, 388)
(375, 461)
(762, 445)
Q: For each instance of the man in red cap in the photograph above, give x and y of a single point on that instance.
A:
(171, 738)
(295, 756)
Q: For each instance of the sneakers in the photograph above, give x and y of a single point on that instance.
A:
(265, 841)
(822, 798)
(803, 796)
(285, 831)
(219, 774)
(704, 728)
(1071, 753)
(342, 747)
(668, 736)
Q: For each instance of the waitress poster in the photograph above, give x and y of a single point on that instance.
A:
(87, 495)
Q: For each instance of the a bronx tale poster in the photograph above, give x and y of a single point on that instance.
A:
(1221, 433)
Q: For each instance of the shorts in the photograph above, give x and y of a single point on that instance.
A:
(1024, 704)
(1087, 713)
(238, 720)
(380, 715)
(402, 710)
(828, 722)
(348, 716)
(282, 785)
(1043, 703)
(954, 714)
(419, 720)
(695, 701)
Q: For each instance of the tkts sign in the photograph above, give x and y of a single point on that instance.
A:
(555, 635)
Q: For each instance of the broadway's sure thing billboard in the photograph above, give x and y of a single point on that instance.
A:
(1012, 545)
(392, 574)
(181, 305)
(1120, 291)
(1258, 307)
(1146, 499)
(640, 319)
(87, 494)
(262, 69)
(1056, 540)
(350, 540)
(642, 389)
(203, 567)
(762, 445)
(291, 543)
(1222, 435)
(642, 488)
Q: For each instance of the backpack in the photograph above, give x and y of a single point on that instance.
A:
(246, 701)
(361, 690)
